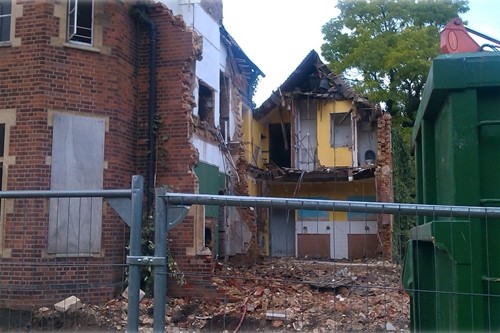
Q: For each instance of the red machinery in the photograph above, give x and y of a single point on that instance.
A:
(455, 38)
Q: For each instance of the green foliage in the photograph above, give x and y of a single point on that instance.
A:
(385, 47)
(403, 165)
(148, 250)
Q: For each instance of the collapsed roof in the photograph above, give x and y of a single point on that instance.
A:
(313, 78)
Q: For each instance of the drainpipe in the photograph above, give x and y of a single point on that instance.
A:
(151, 114)
(141, 12)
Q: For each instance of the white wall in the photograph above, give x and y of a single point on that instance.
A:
(207, 69)
(209, 153)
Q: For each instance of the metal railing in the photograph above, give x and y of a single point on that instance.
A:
(380, 283)
(327, 273)
(62, 252)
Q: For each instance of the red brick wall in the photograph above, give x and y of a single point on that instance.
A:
(37, 77)
(178, 49)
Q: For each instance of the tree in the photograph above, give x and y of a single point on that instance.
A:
(385, 47)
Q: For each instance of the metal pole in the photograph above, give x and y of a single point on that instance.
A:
(134, 277)
(66, 194)
(332, 205)
(160, 271)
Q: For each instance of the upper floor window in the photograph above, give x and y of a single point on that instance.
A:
(206, 105)
(80, 21)
(5, 17)
(341, 130)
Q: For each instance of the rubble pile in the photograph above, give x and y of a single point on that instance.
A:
(297, 295)
(278, 295)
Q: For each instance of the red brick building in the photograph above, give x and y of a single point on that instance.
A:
(87, 89)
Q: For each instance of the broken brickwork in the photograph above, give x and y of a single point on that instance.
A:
(383, 179)
(43, 74)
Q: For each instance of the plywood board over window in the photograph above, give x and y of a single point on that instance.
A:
(7, 120)
(75, 224)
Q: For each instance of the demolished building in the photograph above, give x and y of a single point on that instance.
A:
(316, 138)
(92, 93)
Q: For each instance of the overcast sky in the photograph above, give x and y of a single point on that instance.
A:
(277, 34)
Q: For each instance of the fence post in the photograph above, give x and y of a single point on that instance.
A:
(160, 271)
(134, 283)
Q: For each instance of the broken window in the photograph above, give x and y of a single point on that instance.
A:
(279, 143)
(341, 130)
(224, 102)
(205, 104)
(80, 21)
(5, 17)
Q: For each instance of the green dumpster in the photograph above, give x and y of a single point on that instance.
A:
(452, 266)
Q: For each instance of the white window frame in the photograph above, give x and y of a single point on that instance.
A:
(346, 117)
(72, 17)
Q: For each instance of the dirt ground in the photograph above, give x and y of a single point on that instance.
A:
(277, 295)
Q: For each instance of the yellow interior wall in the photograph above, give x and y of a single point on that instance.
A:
(326, 190)
(264, 144)
(247, 133)
(256, 134)
(327, 155)
(252, 187)
(253, 132)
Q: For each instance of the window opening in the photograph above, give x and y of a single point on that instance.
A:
(80, 19)
(278, 152)
(206, 104)
(224, 100)
(341, 131)
(5, 17)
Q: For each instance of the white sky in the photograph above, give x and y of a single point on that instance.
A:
(278, 34)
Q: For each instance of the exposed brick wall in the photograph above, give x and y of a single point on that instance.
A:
(40, 77)
(178, 49)
(253, 251)
(383, 181)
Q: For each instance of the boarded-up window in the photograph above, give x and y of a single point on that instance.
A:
(77, 164)
(7, 120)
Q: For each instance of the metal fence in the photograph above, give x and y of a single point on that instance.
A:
(341, 289)
(346, 287)
(62, 257)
